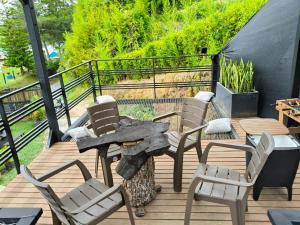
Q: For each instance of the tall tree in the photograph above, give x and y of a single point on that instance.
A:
(14, 40)
(54, 18)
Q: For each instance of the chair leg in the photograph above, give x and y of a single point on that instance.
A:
(55, 219)
(189, 203)
(242, 206)
(128, 206)
(235, 215)
(246, 204)
(107, 174)
(97, 163)
(199, 151)
(177, 173)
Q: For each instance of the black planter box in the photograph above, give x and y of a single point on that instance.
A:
(236, 104)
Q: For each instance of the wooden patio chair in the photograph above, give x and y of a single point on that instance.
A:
(192, 116)
(89, 203)
(225, 186)
(102, 117)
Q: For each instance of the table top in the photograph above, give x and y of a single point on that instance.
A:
(149, 139)
(263, 125)
(284, 217)
(22, 216)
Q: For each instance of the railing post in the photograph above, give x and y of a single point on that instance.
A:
(93, 80)
(215, 72)
(98, 76)
(154, 80)
(32, 26)
(64, 95)
(9, 136)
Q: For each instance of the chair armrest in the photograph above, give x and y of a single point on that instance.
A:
(86, 174)
(165, 116)
(223, 181)
(247, 148)
(104, 195)
(187, 133)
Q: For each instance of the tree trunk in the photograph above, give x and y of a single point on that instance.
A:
(142, 186)
(46, 48)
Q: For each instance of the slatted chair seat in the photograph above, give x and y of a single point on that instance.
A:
(87, 204)
(87, 192)
(174, 139)
(188, 135)
(219, 191)
(226, 186)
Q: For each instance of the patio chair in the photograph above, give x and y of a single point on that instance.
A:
(225, 186)
(192, 116)
(89, 203)
(102, 117)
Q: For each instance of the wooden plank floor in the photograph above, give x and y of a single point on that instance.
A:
(168, 208)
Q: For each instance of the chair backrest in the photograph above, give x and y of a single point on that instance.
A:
(260, 156)
(193, 113)
(103, 116)
(48, 193)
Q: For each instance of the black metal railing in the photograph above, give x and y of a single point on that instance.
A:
(72, 86)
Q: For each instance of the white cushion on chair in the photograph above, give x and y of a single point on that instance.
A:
(218, 126)
(204, 95)
(105, 98)
(80, 132)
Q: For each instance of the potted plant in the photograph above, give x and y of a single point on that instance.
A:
(235, 92)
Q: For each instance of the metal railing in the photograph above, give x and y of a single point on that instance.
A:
(97, 76)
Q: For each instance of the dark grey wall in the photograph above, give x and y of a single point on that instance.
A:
(270, 40)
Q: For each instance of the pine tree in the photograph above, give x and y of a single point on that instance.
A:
(14, 40)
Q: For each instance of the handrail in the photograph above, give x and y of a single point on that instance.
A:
(99, 80)
(67, 70)
(19, 90)
(153, 57)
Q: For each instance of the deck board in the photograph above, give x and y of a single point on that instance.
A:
(168, 208)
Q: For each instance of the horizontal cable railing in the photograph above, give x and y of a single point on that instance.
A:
(74, 85)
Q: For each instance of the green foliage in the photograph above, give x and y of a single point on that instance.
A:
(237, 76)
(140, 112)
(39, 114)
(14, 40)
(141, 28)
(52, 66)
(26, 155)
(54, 19)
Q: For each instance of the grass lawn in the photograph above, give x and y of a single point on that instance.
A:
(28, 153)
(20, 81)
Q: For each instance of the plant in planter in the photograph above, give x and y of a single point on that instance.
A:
(235, 94)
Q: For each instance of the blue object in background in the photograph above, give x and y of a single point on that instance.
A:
(53, 55)
(9, 76)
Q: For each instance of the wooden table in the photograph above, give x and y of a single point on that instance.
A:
(289, 108)
(284, 216)
(20, 216)
(140, 141)
(259, 125)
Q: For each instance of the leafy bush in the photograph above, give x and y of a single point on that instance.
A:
(237, 76)
(140, 112)
(141, 28)
(39, 114)
(52, 66)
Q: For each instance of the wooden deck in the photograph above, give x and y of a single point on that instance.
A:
(168, 208)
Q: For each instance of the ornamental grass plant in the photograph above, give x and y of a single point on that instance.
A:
(237, 75)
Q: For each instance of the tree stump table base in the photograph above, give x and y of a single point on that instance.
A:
(141, 187)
